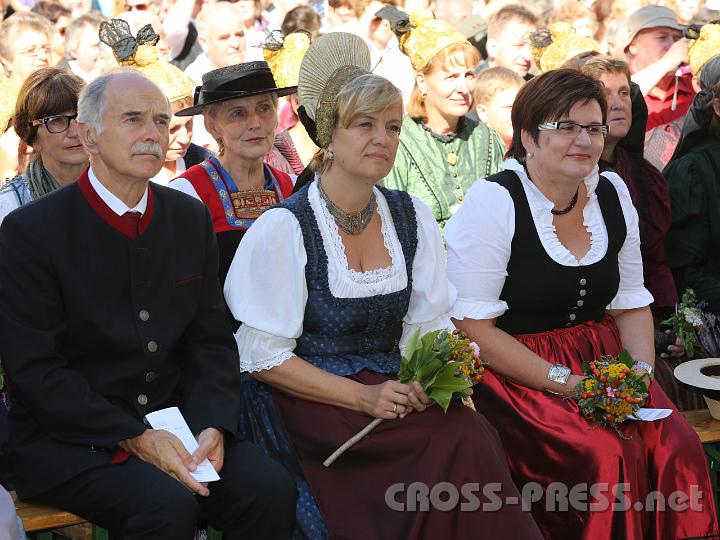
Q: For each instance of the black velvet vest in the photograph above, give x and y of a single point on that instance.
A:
(544, 295)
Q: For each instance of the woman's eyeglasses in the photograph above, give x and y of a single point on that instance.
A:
(55, 124)
(573, 129)
(35, 50)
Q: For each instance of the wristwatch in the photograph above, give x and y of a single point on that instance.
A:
(647, 367)
(559, 374)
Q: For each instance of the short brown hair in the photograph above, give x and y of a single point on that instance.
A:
(46, 92)
(508, 13)
(547, 98)
(492, 80)
(598, 66)
(459, 54)
(52, 11)
(301, 18)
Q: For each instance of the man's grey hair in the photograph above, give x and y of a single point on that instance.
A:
(92, 105)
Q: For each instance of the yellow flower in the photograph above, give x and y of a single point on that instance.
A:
(616, 368)
(589, 384)
(621, 409)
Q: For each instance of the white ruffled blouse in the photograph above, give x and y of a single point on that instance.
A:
(479, 236)
(266, 289)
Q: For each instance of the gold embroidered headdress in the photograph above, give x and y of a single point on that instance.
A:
(9, 90)
(552, 47)
(285, 56)
(421, 35)
(704, 44)
(140, 53)
(331, 62)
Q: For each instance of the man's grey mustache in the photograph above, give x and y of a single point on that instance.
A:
(148, 148)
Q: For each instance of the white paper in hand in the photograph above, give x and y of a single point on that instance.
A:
(172, 420)
(650, 415)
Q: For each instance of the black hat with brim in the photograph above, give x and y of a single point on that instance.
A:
(232, 82)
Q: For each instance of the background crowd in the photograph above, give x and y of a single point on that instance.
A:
(458, 76)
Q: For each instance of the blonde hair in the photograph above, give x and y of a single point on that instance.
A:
(453, 56)
(492, 81)
(364, 95)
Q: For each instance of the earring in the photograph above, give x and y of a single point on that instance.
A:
(423, 94)
(329, 155)
(530, 155)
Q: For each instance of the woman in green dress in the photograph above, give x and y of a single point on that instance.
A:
(442, 152)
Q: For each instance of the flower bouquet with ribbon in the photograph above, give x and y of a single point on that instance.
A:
(445, 364)
(611, 392)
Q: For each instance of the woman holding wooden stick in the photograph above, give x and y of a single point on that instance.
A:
(328, 286)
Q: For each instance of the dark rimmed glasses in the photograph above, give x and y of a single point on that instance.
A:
(573, 129)
(55, 124)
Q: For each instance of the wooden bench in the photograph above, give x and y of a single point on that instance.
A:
(39, 521)
(707, 428)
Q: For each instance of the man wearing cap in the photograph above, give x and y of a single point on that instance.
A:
(656, 51)
(239, 104)
(111, 313)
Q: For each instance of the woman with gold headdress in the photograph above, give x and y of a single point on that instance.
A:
(293, 148)
(329, 285)
(442, 152)
(177, 86)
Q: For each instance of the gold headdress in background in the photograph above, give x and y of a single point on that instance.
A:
(421, 35)
(552, 47)
(704, 44)
(140, 53)
(284, 56)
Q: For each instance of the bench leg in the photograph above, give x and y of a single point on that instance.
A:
(213, 534)
(98, 533)
(713, 456)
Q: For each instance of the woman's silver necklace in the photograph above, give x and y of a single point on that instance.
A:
(350, 222)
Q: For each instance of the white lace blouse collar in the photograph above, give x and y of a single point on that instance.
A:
(540, 207)
(512, 164)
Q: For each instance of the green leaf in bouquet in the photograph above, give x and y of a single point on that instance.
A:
(427, 374)
(446, 384)
(413, 345)
(626, 359)
(442, 345)
(428, 340)
(414, 366)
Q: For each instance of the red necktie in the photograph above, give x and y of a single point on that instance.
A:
(132, 217)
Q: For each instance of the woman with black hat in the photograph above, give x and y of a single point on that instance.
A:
(239, 104)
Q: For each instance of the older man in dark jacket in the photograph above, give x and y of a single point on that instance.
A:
(110, 308)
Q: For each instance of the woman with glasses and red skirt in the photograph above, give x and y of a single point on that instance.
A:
(546, 260)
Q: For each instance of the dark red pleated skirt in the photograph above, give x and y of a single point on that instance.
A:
(547, 440)
(430, 447)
